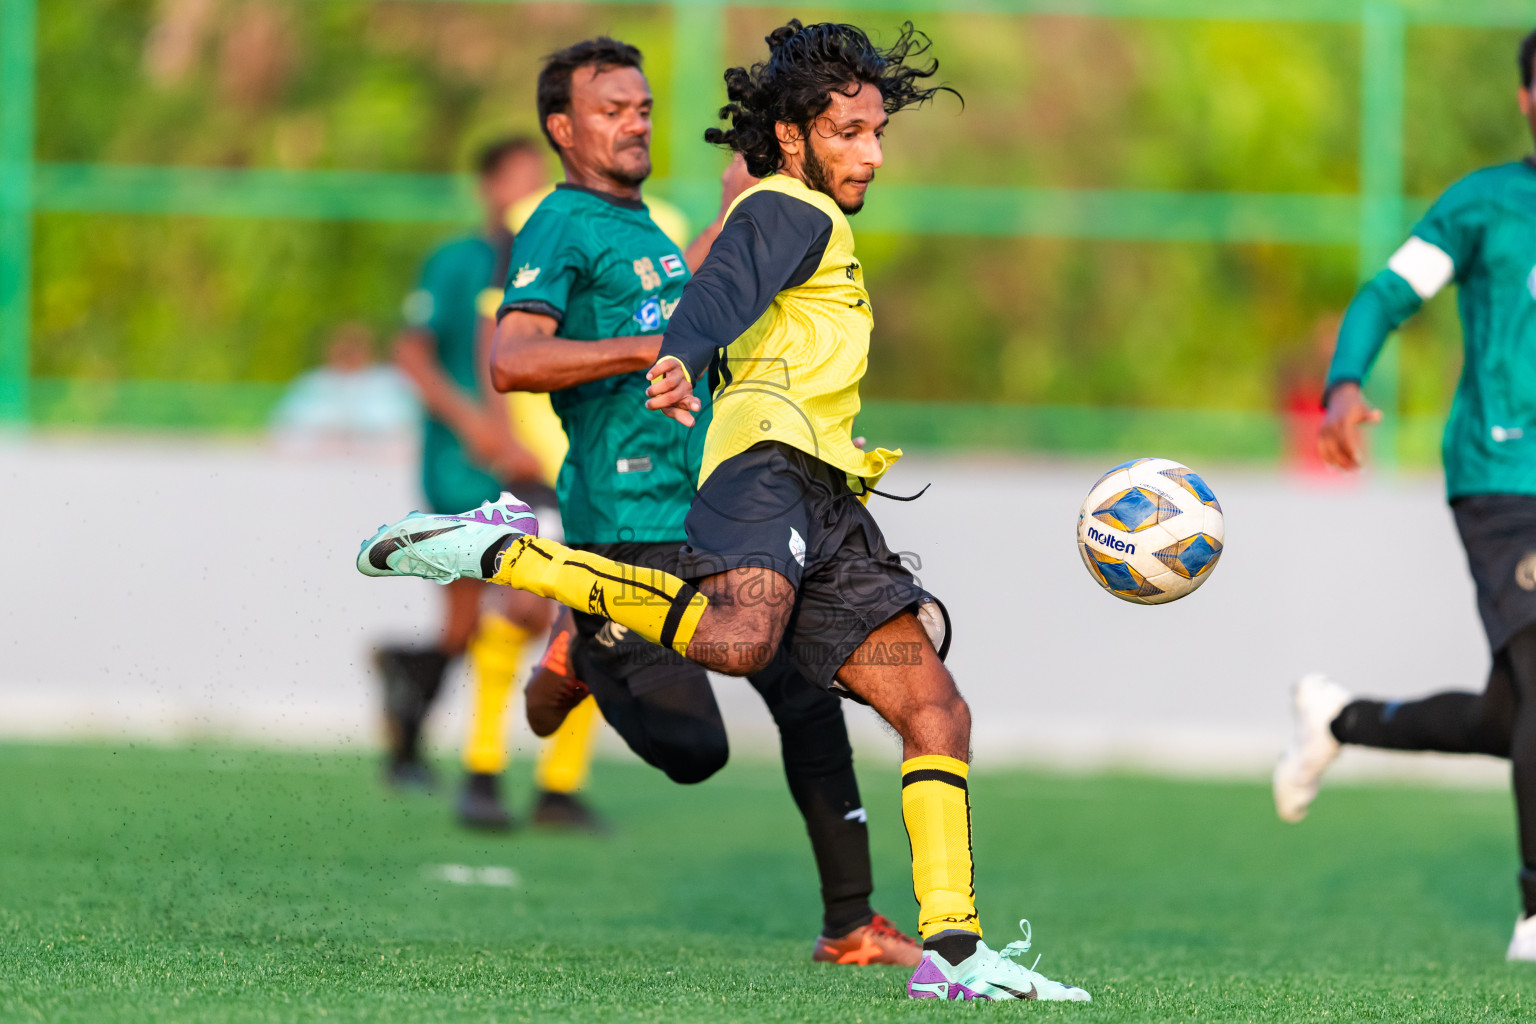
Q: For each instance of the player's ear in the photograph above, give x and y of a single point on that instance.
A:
(560, 129)
(1526, 101)
(790, 137)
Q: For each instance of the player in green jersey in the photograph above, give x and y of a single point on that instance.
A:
(591, 286)
(1481, 234)
(468, 451)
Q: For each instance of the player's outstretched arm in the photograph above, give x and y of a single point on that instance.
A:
(526, 355)
(1340, 442)
(480, 432)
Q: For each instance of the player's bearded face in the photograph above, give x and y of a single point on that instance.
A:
(843, 147)
(611, 123)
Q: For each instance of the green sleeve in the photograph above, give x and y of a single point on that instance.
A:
(1443, 246)
(548, 258)
(1455, 223)
(428, 305)
(1382, 303)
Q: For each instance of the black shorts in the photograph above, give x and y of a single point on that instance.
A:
(665, 708)
(776, 507)
(1499, 534)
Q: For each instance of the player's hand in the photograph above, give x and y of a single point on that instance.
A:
(490, 444)
(516, 462)
(670, 391)
(1340, 443)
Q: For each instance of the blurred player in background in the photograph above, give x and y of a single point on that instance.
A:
(475, 441)
(593, 281)
(782, 558)
(1481, 234)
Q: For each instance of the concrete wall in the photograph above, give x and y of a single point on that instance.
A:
(170, 590)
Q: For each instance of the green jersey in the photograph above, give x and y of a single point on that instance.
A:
(444, 304)
(601, 268)
(1482, 234)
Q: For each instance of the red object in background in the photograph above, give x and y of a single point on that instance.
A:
(1300, 398)
(1301, 410)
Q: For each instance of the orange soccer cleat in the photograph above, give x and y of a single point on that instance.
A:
(879, 942)
(553, 692)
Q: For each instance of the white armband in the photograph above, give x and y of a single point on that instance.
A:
(1427, 268)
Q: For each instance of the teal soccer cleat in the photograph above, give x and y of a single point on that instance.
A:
(446, 548)
(988, 974)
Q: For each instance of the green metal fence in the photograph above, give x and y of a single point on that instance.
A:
(1372, 220)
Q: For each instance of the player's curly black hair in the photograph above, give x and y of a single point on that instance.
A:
(1527, 58)
(794, 85)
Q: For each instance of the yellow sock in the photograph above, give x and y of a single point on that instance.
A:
(567, 754)
(495, 654)
(657, 605)
(937, 809)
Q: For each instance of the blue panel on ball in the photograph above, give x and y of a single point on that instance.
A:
(1191, 556)
(1118, 576)
(1191, 482)
(1134, 509)
(1198, 554)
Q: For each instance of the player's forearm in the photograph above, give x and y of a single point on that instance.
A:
(538, 362)
(1378, 308)
(443, 399)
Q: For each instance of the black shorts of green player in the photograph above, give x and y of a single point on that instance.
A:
(1478, 234)
(776, 507)
(664, 708)
(1498, 533)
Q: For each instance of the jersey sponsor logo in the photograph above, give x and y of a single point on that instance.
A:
(797, 546)
(647, 271)
(526, 275)
(673, 264)
(640, 465)
(1530, 283)
(1502, 434)
(1112, 542)
(648, 316)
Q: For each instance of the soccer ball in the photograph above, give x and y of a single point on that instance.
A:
(1150, 531)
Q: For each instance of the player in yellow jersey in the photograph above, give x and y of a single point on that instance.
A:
(781, 551)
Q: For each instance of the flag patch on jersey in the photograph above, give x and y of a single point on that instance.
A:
(673, 265)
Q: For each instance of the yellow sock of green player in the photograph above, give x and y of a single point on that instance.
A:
(495, 654)
(567, 755)
(657, 605)
(936, 807)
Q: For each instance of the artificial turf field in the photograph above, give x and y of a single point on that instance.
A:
(208, 884)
